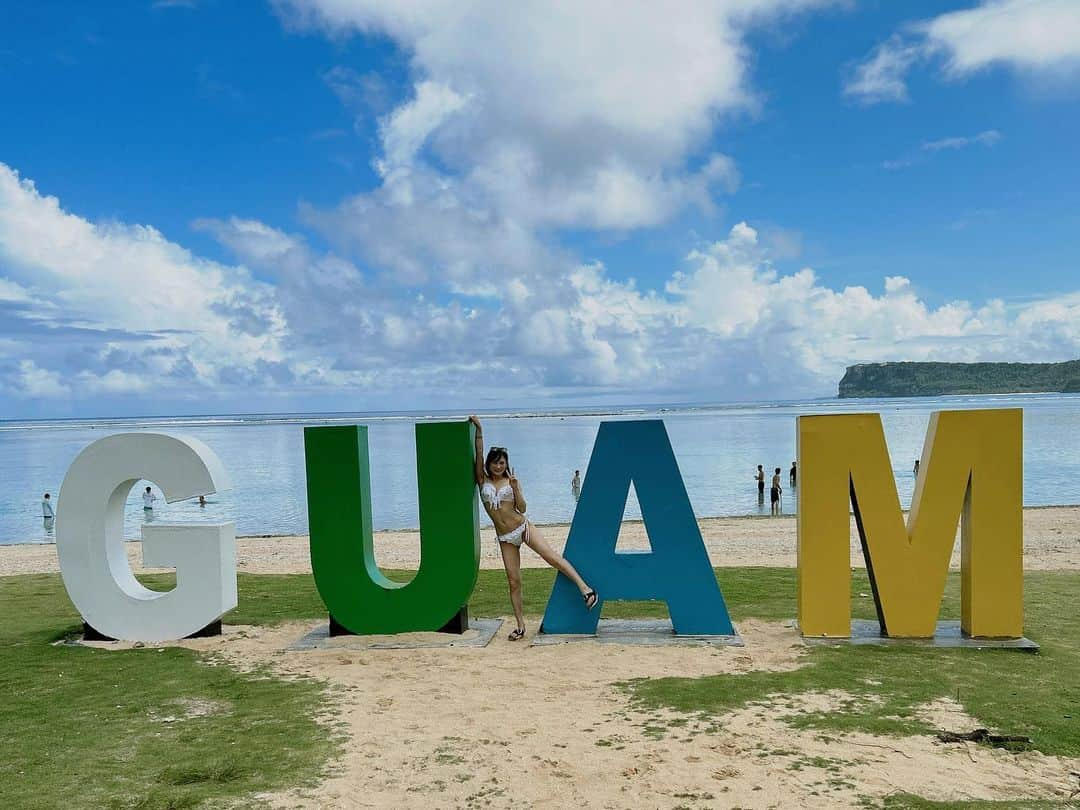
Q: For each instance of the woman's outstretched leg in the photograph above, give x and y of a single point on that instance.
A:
(511, 555)
(535, 540)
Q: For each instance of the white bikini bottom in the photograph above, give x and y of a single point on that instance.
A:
(517, 536)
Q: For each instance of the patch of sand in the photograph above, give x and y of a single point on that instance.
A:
(833, 770)
(945, 714)
(172, 711)
(516, 726)
(1051, 541)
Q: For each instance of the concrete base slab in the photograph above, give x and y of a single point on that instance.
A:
(638, 633)
(948, 634)
(480, 632)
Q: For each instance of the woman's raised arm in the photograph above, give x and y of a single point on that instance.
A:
(478, 460)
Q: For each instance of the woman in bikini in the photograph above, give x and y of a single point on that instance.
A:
(501, 495)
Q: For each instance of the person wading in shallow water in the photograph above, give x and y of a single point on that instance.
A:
(774, 493)
(47, 513)
(500, 492)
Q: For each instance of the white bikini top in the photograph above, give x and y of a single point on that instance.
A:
(494, 497)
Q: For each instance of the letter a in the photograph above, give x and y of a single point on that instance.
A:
(357, 594)
(677, 570)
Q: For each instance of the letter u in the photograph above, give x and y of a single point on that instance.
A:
(358, 595)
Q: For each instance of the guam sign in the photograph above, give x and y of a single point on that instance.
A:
(971, 478)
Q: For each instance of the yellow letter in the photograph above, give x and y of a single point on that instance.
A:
(972, 472)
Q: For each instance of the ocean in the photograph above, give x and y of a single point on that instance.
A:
(718, 448)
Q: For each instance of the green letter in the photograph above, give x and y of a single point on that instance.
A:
(357, 594)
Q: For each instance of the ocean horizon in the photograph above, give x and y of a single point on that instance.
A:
(428, 414)
(717, 445)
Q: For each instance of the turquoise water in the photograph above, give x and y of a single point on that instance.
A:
(718, 449)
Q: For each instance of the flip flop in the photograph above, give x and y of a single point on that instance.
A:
(517, 635)
(590, 595)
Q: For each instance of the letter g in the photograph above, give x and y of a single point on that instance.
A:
(90, 542)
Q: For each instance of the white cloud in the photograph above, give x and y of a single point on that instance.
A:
(987, 137)
(1040, 38)
(1023, 34)
(406, 129)
(37, 382)
(251, 239)
(881, 77)
(549, 114)
(114, 381)
(128, 276)
(797, 330)
(10, 291)
(726, 324)
(111, 295)
(500, 143)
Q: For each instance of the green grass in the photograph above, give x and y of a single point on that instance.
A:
(86, 728)
(905, 801)
(91, 728)
(1011, 691)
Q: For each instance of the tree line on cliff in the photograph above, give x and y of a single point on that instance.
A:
(937, 379)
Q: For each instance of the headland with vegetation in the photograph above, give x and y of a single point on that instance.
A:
(939, 379)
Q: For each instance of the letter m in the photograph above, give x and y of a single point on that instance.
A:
(971, 473)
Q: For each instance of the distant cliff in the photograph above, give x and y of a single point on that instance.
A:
(936, 379)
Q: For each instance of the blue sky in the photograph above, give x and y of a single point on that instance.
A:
(352, 204)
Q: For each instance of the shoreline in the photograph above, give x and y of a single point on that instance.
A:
(416, 530)
(1051, 542)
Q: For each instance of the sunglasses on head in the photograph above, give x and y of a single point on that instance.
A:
(498, 449)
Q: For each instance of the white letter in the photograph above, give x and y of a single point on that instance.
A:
(90, 541)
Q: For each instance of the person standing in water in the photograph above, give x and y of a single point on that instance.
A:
(759, 476)
(774, 493)
(793, 475)
(915, 472)
(575, 485)
(148, 499)
(47, 513)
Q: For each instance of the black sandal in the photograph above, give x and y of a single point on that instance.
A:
(517, 635)
(590, 595)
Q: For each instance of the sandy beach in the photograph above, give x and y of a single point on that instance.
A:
(1051, 541)
(511, 726)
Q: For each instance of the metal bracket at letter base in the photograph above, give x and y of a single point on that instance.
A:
(677, 570)
(358, 595)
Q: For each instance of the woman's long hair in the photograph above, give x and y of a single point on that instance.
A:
(494, 454)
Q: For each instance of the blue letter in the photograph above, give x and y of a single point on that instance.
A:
(677, 569)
